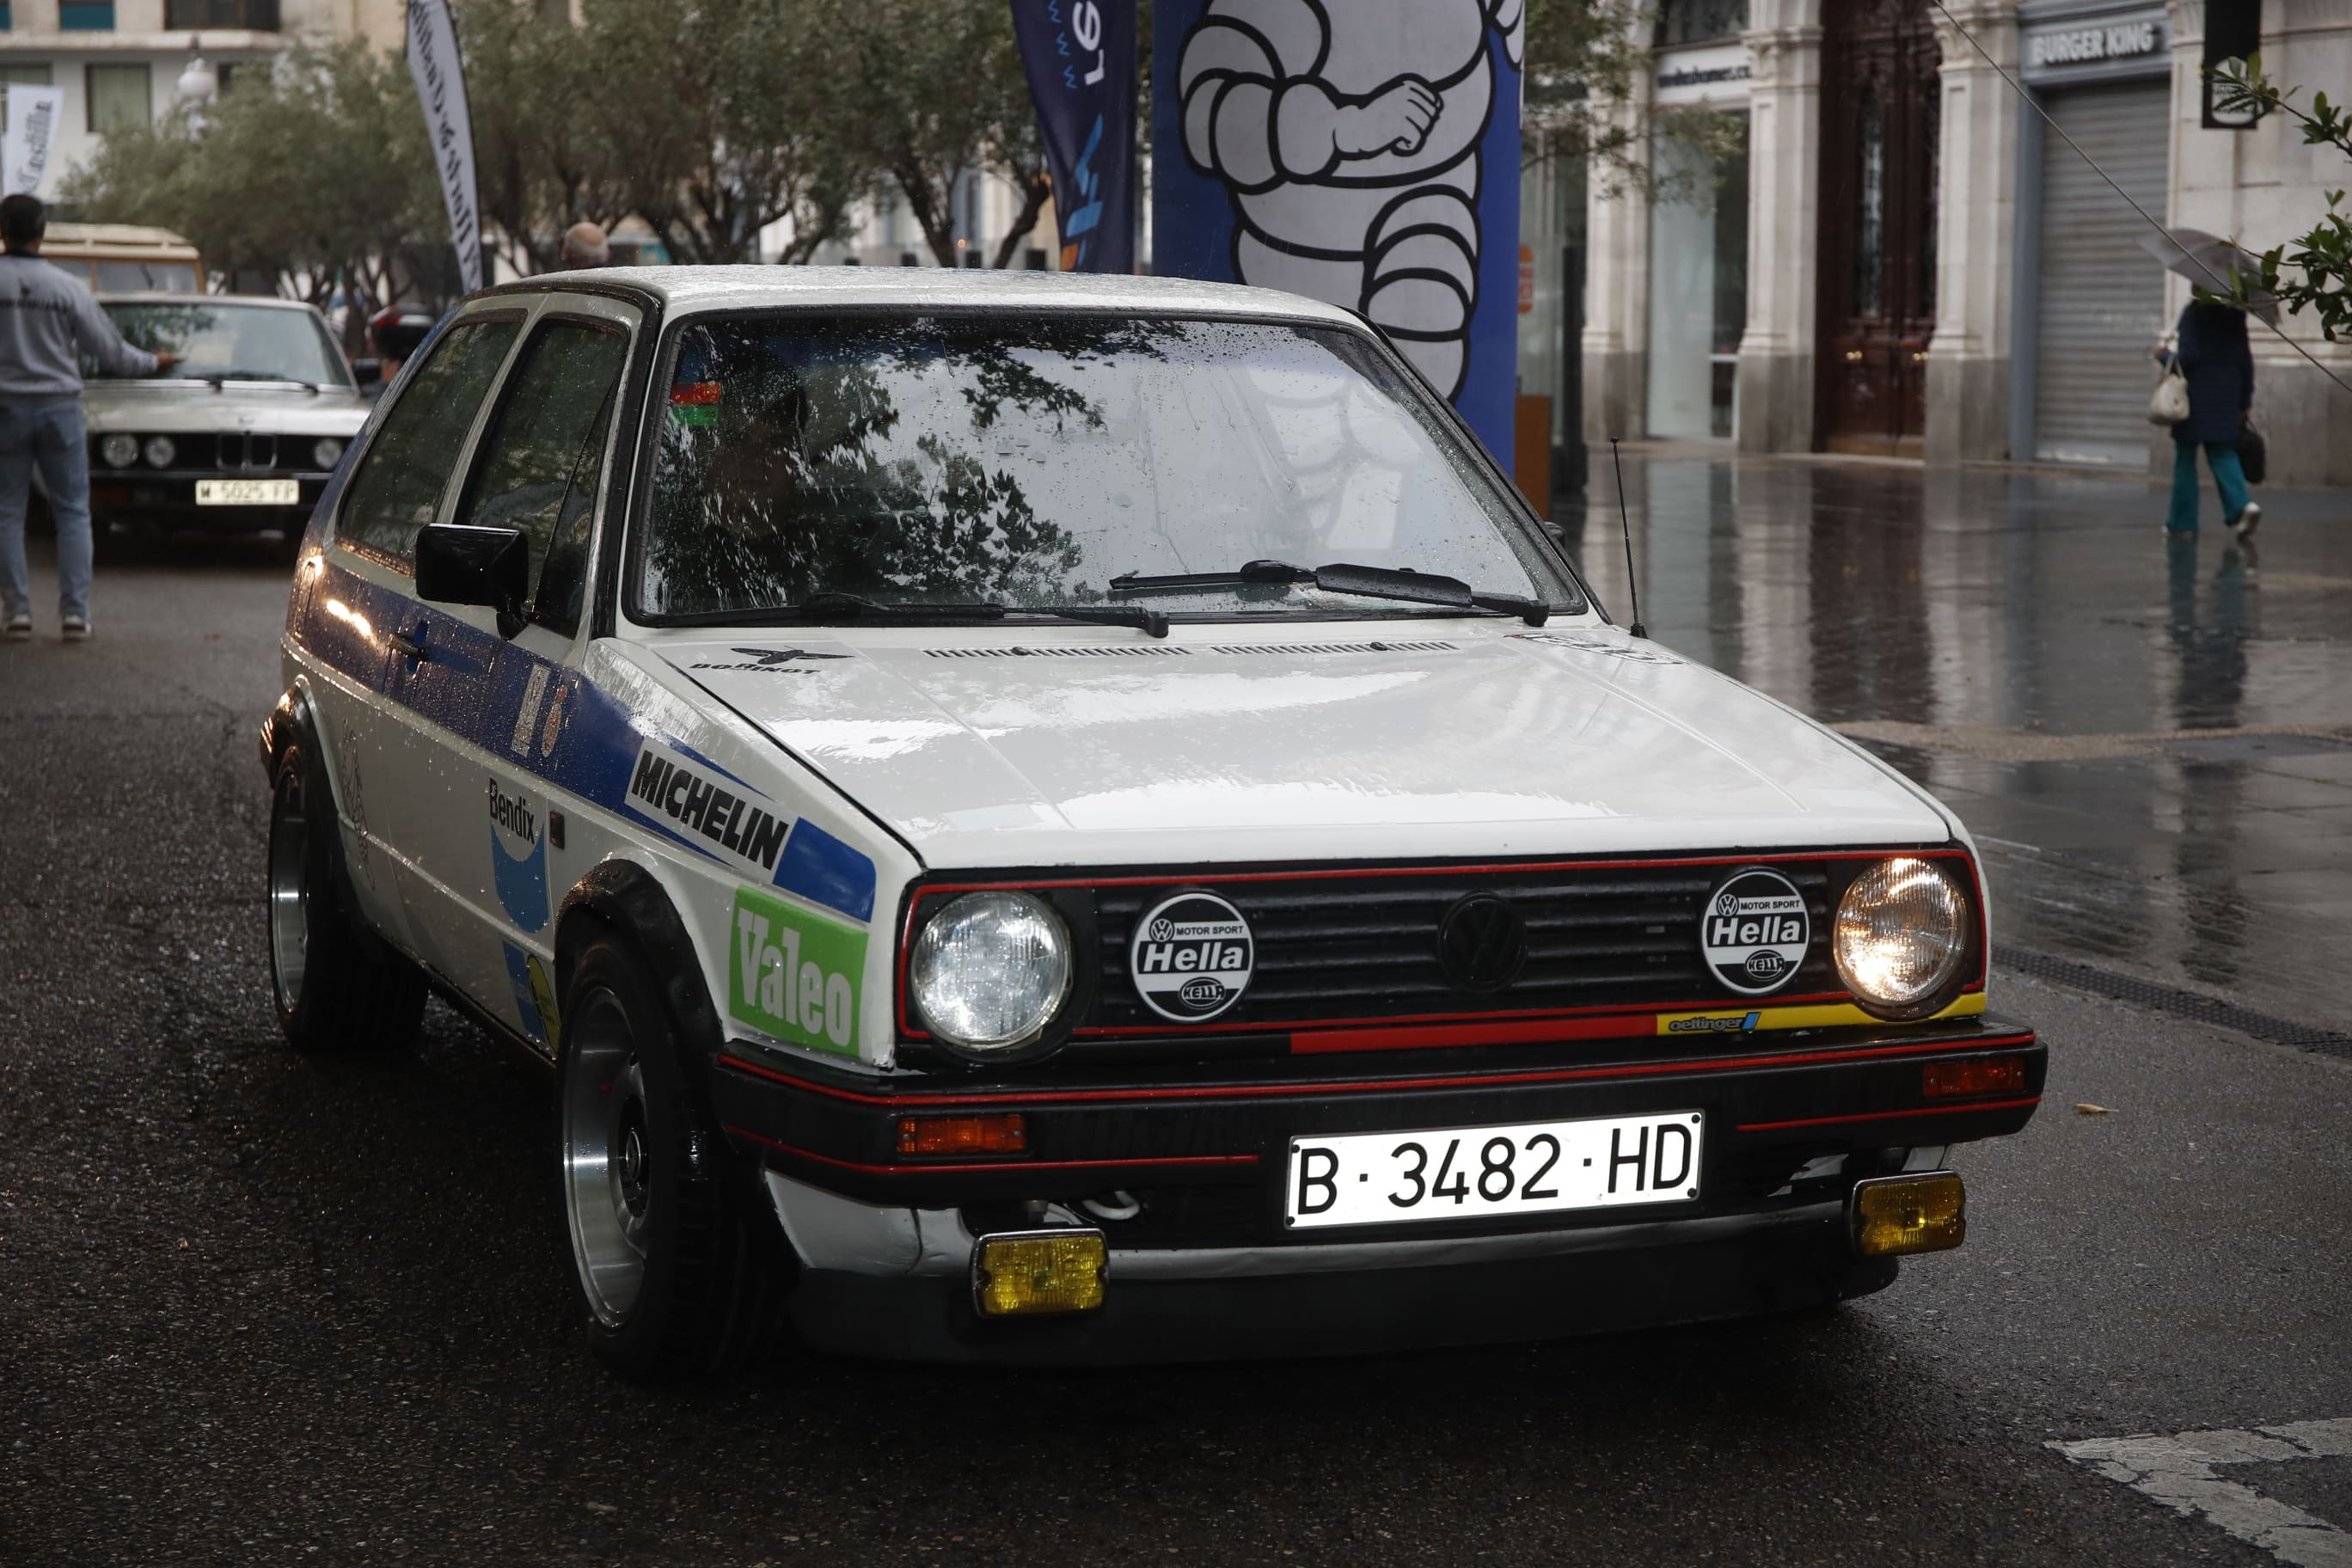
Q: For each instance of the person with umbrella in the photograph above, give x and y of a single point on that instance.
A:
(2215, 360)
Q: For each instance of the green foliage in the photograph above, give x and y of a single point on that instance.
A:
(2323, 255)
(313, 171)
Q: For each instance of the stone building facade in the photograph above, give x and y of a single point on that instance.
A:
(1927, 266)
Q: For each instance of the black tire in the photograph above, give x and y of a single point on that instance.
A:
(681, 1271)
(334, 990)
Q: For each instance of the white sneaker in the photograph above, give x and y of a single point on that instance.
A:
(20, 627)
(76, 629)
(2247, 520)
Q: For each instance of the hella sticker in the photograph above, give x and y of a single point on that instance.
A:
(1192, 957)
(1755, 930)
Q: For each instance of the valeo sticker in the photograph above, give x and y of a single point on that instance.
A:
(795, 975)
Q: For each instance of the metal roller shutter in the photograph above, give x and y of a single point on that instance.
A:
(2102, 296)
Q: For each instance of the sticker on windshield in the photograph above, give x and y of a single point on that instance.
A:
(1754, 931)
(1192, 957)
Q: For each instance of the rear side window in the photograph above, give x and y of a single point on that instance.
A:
(542, 459)
(400, 481)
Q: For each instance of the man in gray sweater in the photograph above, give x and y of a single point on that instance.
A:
(46, 316)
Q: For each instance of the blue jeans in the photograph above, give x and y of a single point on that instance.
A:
(47, 433)
(2229, 479)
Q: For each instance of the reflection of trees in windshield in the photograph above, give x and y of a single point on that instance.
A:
(787, 477)
(253, 341)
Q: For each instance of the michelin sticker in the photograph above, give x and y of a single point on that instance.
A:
(745, 826)
(1192, 957)
(519, 856)
(795, 975)
(1754, 931)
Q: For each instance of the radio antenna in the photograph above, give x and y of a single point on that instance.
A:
(1626, 525)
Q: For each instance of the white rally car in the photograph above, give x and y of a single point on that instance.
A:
(1058, 820)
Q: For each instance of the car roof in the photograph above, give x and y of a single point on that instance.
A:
(684, 290)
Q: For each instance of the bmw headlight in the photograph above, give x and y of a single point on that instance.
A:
(120, 450)
(326, 452)
(1901, 937)
(990, 971)
(160, 451)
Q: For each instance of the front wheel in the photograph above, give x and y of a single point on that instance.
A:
(332, 994)
(680, 1275)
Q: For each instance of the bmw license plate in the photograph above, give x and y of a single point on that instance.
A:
(1473, 1172)
(248, 492)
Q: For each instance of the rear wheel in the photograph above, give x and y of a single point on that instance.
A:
(681, 1273)
(332, 991)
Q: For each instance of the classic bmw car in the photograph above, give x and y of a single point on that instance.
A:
(1053, 820)
(239, 436)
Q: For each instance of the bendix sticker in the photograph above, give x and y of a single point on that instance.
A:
(1192, 957)
(1754, 931)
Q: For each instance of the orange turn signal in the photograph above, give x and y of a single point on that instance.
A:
(1986, 1075)
(1000, 1134)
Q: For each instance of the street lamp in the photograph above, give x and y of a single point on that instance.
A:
(198, 88)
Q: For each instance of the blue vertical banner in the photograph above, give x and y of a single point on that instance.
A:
(1079, 56)
(1365, 153)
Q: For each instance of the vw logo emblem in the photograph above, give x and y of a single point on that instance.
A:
(1482, 944)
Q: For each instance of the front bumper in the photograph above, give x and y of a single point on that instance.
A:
(1207, 1269)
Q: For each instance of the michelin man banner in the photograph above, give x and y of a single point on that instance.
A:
(1362, 152)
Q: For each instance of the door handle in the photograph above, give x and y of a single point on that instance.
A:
(1854, 356)
(1920, 357)
(410, 646)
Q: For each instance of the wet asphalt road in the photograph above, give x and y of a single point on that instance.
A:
(264, 1309)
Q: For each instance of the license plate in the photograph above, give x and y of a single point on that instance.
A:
(248, 492)
(1472, 1172)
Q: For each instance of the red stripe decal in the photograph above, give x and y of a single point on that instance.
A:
(1890, 1115)
(922, 1101)
(1329, 1042)
(992, 1164)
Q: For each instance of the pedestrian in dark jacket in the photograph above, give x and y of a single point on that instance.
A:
(2219, 369)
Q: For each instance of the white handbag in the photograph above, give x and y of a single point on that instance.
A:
(2168, 404)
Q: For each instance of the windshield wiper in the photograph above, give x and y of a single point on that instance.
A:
(1342, 577)
(833, 607)
(218, 376)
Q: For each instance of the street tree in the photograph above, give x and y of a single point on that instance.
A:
(738, 114)
(2322, 253)
(316, 172)
(551, 137)
(1587, 64)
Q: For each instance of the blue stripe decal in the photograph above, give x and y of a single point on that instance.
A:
(575, 736)
(821, 868)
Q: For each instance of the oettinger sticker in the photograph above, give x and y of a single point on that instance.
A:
(1192, 957)
(1754, 931)
(795, 975)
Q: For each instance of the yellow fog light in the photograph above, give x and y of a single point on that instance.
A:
(1897, 1215)
(1033, 1272)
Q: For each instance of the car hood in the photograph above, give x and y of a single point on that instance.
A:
(172, 407)
(1389, 739)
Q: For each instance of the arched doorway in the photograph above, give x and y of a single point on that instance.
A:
(1880, 104)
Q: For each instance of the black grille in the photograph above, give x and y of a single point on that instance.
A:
(1367, 947)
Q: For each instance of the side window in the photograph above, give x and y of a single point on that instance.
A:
(400, 482)
(543, 454)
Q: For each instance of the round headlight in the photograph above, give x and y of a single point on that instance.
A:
(160, 451)
(327, 452)
(1901, 938)
(990, 971)
(119, 450)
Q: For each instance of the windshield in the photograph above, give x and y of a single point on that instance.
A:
(249, 343)
(1030, 460)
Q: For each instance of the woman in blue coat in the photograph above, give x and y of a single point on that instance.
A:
(2219, 369)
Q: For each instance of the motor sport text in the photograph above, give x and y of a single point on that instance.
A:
(795, 975)
(668, 786)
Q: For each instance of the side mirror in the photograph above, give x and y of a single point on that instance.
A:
(457, 563)
(367, 372)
